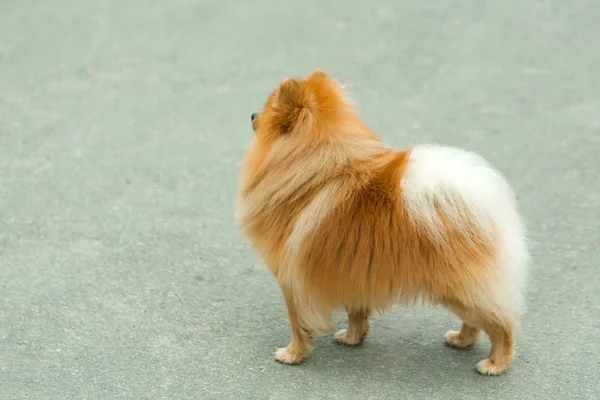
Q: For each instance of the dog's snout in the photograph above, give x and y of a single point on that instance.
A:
(253, 116)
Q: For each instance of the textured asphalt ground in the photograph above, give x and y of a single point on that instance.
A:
(122, 125)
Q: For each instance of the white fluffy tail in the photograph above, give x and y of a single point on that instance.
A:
(443, 177)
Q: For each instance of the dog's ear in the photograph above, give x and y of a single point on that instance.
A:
(290, 104)
(318, 74)
(289, 96)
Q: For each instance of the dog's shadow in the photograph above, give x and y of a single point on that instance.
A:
(397, 354)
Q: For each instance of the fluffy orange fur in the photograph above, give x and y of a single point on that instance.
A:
(320, 199)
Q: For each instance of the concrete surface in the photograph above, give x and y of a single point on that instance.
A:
(122, 124)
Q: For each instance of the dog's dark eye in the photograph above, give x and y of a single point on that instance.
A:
(253, 119)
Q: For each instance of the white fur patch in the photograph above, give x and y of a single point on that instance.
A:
(447, 177)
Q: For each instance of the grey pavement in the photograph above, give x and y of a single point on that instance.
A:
(122, 125)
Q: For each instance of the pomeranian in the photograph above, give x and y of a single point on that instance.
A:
(344, 221)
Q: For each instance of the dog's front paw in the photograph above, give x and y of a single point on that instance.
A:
(488, 367)
(285, 355)
(343, 337)
(455, 339)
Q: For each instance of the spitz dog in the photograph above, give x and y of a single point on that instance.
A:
(344, 221)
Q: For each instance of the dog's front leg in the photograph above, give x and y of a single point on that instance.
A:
(301, 343)
(358, 327)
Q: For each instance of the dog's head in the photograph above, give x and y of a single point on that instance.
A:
(298, 115)
(306, 124)
(301, 106)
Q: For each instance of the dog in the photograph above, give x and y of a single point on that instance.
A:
(344, 221)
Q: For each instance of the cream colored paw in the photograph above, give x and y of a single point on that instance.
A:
(488, 367)
(344, 338)
(454, 339)
(286, 356)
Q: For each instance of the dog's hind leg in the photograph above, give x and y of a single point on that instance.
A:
(464, 338)
(499, 329)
